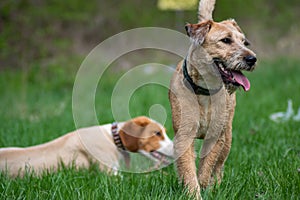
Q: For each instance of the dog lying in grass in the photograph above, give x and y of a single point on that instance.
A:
(105, 144)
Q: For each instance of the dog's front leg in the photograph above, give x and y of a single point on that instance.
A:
(218, 169)
(207, 163)
(227, 132)
(185, 163)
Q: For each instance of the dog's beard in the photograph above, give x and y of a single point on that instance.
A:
(238, 63)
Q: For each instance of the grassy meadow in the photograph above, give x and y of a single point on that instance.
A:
(264, 163)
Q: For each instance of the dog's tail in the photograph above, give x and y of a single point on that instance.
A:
(205, 10)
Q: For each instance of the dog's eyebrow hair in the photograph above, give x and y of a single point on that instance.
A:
(229, 35)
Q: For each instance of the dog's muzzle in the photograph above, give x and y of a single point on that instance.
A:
(250, 60)
(234, 77)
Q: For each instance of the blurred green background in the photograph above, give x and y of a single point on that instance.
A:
(40, 32)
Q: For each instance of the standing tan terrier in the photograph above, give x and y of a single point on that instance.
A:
(202, 96)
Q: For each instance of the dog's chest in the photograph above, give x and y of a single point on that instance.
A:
(215, 114)
(205, 110)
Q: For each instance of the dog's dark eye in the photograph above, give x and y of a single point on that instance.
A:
(158, 133)
(226, 40)
(246, 43)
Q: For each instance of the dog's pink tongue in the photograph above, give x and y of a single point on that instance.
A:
(241, 79)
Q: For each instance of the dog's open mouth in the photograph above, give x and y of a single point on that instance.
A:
(234, 77)
(164, 159)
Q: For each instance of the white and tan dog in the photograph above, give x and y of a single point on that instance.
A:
(104, 144)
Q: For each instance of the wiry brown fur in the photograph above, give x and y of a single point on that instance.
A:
(206, 117)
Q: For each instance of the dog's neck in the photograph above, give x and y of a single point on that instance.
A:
(122, 140)
(116, 136)
(200, 67)
(119, 143)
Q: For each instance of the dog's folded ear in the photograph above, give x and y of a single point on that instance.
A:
(141, 121)
(198, 32)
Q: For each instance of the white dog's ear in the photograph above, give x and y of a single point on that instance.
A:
(198, 32)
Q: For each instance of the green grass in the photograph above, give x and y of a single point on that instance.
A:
(35, 107)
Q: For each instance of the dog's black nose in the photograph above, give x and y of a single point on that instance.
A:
(250, 60)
